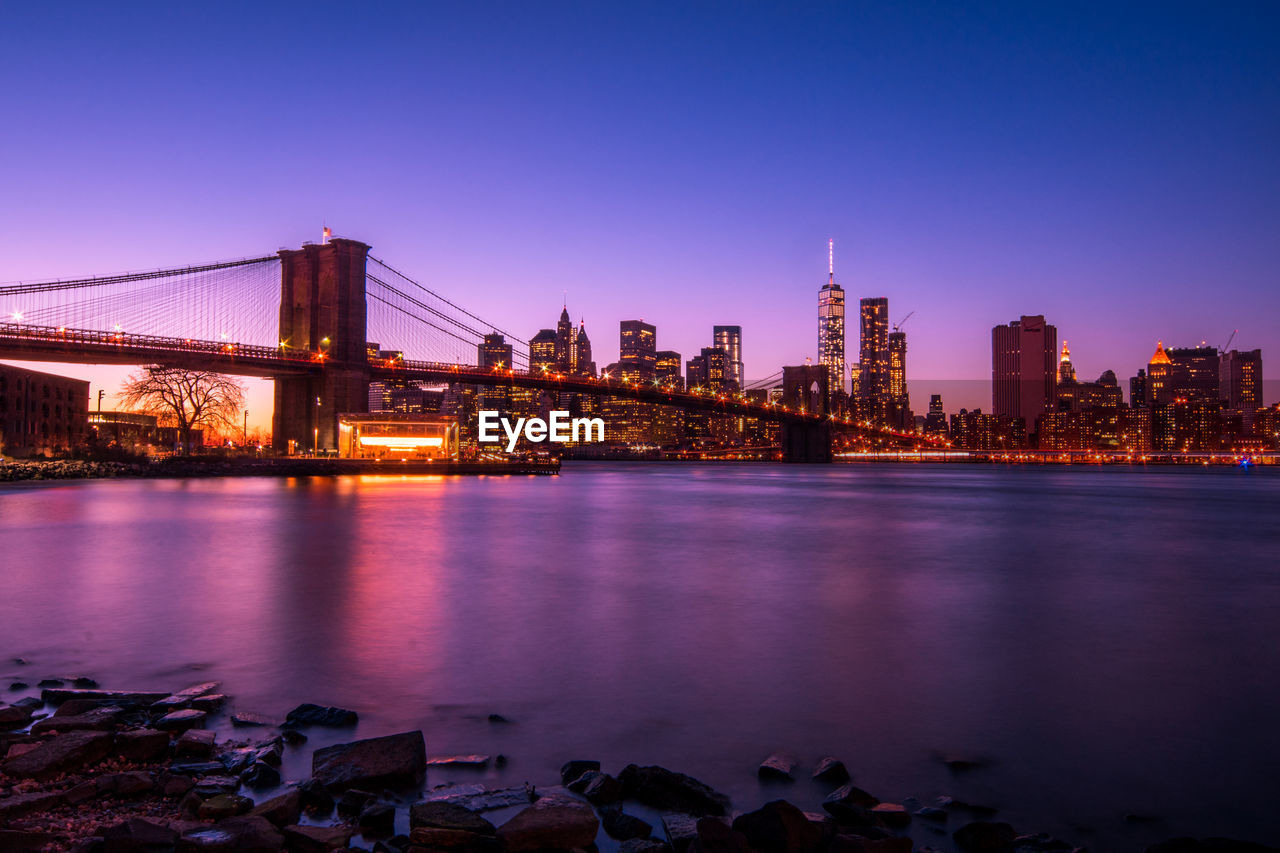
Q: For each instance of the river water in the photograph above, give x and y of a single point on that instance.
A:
(1106, 641)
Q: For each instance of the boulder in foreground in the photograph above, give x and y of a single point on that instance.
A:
(670, 791)
(61, 754)
(390, 761)
(552, 823)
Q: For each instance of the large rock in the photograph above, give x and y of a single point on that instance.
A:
(101, 697)
(180, 721)
(715, 836)
(571, 770)
(17, 805)
(281, 810)
(433, 838)
(600, 788)
(142, 744)
(681, 830)
(622, 826)
(670, 791)
(14, 717)
(316, 839)
(832, 771)
(308, 714)
(478, 798)
(983, 835)
(440, 815)
(391, 761)
(182, 698)
(99, 719)
(20, 841)
(552, 823)
(247, 834)
(850, 805)
(137, 834)
(60, 754)
(224, 806)
(779, 765)
(779, 827)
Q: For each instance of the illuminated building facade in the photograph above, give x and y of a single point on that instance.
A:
(542, 350)
(935, 423)
(1195, 373)
(977, 431)
(709, 370)
(729, 339)
(637, 349)
(899, 400)
(831, 327)
(1138, 389)
(1240, 383)
(873, 351)
(1159, 377)
(566, 350)
(668, 368)
(1024, 368)
(394, 437)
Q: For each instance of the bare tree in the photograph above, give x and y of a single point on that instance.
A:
(185, 398)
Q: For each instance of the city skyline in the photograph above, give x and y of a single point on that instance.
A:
(970, 167)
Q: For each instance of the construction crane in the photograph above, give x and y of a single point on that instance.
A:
(1229, 340)
(898, 325)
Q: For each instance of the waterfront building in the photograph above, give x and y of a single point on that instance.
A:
(977, 431)
(831, 327)
(729, 339)
(41, 414)
(494, 353)
(1023, 368)
(395, 436)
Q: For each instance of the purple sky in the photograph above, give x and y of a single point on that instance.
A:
(1112, 168)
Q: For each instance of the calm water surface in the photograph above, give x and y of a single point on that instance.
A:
(1109, 640)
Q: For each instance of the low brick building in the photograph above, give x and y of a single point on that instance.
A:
(41, 414)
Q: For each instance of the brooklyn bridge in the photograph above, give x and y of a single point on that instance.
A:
(304, 318)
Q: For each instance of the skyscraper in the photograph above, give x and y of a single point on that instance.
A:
(637, 349)
(831, 325)
(668, 368)
(566, 343)
(583, 364)
(1023, 369)
(729, 339)
(1240, 378)
(899, 408)
(874, 351)
(542, 350)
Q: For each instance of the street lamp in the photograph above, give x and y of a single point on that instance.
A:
(316, 450)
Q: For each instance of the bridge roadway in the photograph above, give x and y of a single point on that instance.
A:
(26, 342)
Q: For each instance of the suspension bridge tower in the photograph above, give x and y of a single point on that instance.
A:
(322, 310)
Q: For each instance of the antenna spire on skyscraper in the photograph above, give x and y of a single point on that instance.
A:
(831, 260)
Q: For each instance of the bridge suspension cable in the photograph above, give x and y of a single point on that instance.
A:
(235, 300)
(407, 316)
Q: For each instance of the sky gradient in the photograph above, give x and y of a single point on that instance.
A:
(1112, 166)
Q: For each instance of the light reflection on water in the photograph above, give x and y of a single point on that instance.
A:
(1106, 638)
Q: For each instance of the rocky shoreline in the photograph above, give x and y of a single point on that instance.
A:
(108, 771)
(16, 471)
